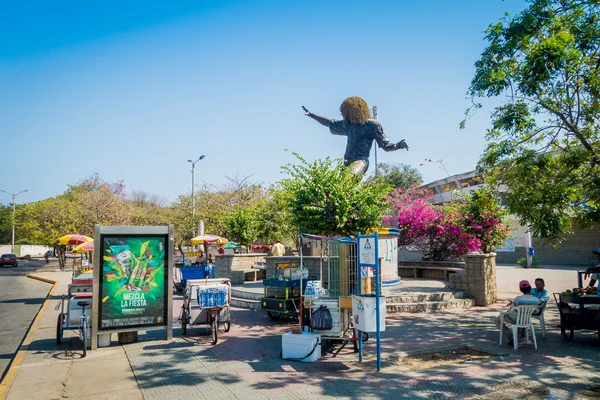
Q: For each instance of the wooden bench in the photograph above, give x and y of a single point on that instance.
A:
(253, 275)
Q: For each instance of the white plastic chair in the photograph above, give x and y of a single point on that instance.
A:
(540, 316)
(523, 321)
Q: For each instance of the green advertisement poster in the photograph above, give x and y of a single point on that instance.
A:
(132, 285)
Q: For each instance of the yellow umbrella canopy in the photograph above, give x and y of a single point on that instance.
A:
(73, 240)
(209, 239)
(83, 247)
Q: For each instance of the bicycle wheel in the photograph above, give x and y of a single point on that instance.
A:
(214, 329)
(59, 329)
(226, 326)
(183, 322)
(84, 336)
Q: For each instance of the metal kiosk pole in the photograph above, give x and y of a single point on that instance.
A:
(358, 277)
(377, 314)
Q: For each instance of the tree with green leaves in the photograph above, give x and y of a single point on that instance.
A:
(241, 226)
(324, 198)
(5, 223)
(274, 220)
(400, 176)
(544, 142)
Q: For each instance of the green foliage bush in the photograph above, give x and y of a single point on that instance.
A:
(535, 262)
(325, 199)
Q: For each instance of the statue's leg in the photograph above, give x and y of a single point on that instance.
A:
(358, 167)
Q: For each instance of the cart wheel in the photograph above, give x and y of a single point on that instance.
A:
(214, 329)
(226, 326)
(183, 322)
(59, 329)
(274, 315)
(567, 334)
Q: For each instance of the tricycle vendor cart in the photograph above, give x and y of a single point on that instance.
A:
(206, 302)
(69, 318)
(282, 291)
(577, 313)
(182, 274)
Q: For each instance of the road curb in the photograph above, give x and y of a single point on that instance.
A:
(16, 362)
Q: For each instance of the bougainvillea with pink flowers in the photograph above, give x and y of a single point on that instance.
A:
(448, 231)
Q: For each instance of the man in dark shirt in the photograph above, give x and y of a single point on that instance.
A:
(360, 130)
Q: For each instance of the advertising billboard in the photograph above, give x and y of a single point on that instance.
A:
(133, 282)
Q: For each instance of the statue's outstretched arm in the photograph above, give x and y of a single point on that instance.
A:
(322, 120)
(385, 143)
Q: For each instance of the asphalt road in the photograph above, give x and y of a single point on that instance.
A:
(20, 300)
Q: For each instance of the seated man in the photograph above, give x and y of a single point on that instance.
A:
(511, 317)
(200, 260)
(540, 293)
(593, 272)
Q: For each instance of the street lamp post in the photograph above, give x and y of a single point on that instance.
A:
(193, 198)
(12, 246)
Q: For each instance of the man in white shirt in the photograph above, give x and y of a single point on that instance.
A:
(278, 249)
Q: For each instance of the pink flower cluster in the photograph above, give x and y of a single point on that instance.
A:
(442, 232)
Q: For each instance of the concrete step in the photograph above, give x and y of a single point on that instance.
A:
(245, 303)
(240, 294)
(422, 297)
(428, 306)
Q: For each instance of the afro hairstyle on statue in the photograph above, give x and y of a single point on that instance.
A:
(355, 110)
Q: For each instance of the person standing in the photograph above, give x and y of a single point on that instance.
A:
(278, 249)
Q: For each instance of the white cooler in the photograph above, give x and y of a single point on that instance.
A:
(297, 347)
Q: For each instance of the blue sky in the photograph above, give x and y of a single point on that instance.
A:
(131, 90)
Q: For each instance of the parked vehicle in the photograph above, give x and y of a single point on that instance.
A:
(9, 259)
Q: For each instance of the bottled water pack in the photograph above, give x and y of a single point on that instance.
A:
(212, 296)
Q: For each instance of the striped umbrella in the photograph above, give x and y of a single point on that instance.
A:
(73, 240)
(84, 247)
(209, 239)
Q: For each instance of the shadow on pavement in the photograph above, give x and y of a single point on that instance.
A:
(29, 301)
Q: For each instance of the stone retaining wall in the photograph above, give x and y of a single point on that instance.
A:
(232, 266)
(478, 279)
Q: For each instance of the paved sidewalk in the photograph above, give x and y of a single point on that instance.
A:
(48, 371)
(245, 363)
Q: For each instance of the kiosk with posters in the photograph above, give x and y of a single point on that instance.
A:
(132, 281)
(368, 311)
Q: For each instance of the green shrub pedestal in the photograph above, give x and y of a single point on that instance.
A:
(478, 279)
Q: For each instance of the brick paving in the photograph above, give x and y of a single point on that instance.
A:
(245, 363)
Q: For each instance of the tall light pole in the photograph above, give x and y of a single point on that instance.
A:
(193, 198)
(12, 246)
(375, 117)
